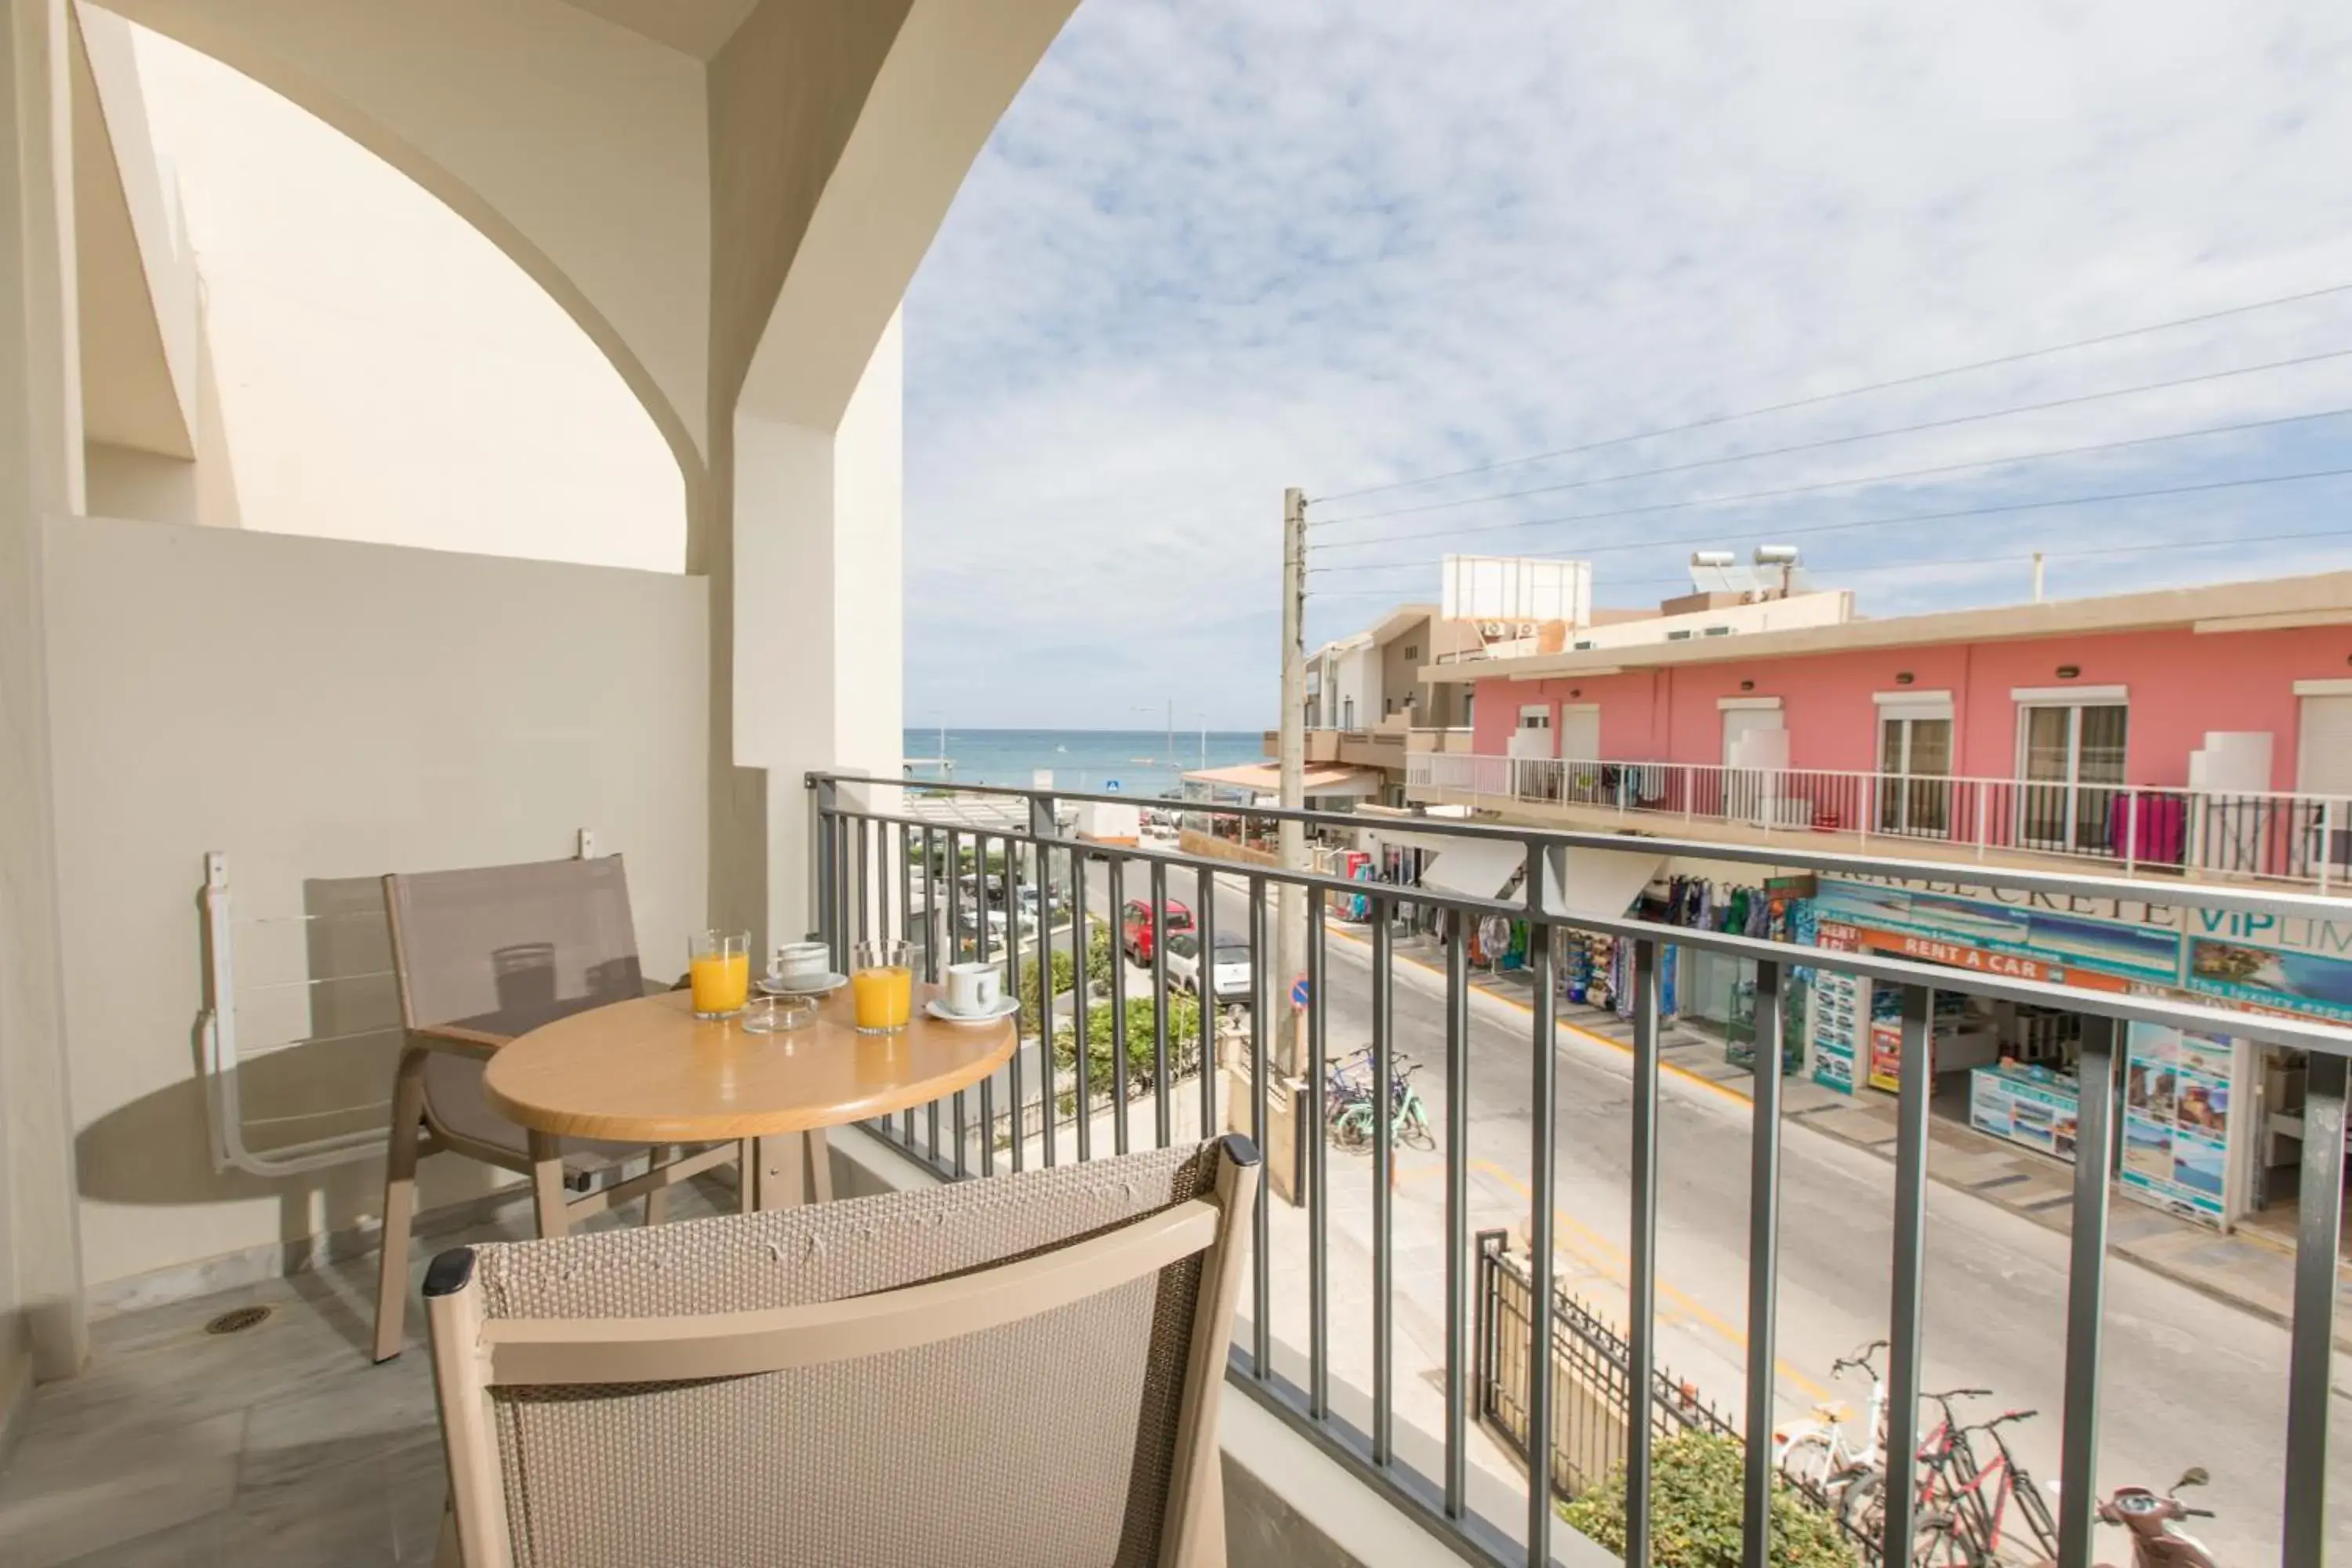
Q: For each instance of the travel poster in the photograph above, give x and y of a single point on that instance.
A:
(2309, 983)
(2177, 1112)
(2012, 1103)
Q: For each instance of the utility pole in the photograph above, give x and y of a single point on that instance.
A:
(1290, 911)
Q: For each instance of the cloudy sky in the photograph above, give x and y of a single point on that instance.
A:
(1217, 249)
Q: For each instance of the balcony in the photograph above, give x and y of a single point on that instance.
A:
(1382, 746)
(1453, 742)
(2303, 841)
(1407, 1270)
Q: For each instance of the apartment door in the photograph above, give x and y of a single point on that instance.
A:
(1580, 753)
(1534, 774)
(2323, 747)
(2070, 775)
(1914, 765)
(1579, 731)
(2323, 768)
(1739, 722)
(1750, 793)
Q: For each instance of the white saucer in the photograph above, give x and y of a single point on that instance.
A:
(829, 983)
(1005, 1007)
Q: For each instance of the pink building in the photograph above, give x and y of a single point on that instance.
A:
(2204, 729)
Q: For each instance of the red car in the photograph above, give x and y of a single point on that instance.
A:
(1138, 932)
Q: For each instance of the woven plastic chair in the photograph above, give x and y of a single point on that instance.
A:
(1021, 1372)
(481, 956)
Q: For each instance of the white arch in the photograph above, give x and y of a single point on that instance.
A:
(575, 147)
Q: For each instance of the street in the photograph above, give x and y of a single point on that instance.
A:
(2186, 1380)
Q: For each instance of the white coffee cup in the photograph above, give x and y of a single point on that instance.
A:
(800, 964)
(973, 989)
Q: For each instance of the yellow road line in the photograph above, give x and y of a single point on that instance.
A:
(1622, 1049)
(1612, 1261)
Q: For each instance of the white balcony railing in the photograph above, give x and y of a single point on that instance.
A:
(2238, 833)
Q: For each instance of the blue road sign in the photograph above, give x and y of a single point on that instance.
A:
(1298, 993)
(1111, 787)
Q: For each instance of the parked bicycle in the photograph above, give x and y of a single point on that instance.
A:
(1965, 1502)
(1820, 1454)
(1350, 1104)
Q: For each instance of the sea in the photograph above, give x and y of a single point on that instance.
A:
(1126, 761)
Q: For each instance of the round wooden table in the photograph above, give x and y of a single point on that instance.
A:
(649, 1071)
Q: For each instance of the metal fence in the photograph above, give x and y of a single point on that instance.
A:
(1588, 1437)
(2250, 834)
(873, 859)
(1592, 1403)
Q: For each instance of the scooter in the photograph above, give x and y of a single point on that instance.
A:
(2150, 1519)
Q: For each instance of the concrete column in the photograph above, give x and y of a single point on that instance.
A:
(818, 595)
(40, 476)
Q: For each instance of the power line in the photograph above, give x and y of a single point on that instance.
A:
(1847, 440)
(1990, 510)
(1958, 559)
(1819, 398)
(1865, 480)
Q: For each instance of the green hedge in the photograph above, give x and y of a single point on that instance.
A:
(1098, 963)
(1030, 1016)
(1696, 1499)
(1183, 1044)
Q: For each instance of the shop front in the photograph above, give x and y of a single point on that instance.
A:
(2010, 1069)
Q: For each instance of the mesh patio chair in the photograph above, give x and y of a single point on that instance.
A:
(1021, 1370)
(481, 956)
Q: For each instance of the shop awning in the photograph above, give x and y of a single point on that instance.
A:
(1476, 869)
(1266, 778)
(1607, 881)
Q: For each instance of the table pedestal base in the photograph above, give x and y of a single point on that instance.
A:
(795, 1168)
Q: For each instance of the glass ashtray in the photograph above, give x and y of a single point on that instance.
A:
(774, 1014)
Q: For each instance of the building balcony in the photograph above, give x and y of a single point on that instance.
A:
(1453, 742)
(2151, 831)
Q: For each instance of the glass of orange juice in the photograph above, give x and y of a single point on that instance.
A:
(718, 970)
(881, 986)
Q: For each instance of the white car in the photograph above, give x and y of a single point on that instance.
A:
(1232, 978)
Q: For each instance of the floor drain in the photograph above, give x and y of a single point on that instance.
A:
(237, 1320)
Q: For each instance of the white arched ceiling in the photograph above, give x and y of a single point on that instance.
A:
(578, 147)
(586, 139)
(950, 71)
(138, 319)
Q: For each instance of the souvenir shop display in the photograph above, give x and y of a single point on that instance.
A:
(1841, 1009)
(1586, 960)
(1354, 908)
(1961, 1036)
(1598, 970)
(1739, 1037)
(1713, 992)
(1497, 943)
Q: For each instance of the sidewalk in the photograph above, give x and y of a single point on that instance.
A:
(2249, 1269)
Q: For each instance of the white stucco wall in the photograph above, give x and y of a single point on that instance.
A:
(820, 608)
(324, 711)
(376, 368)
(126, 483)
(1353, 673)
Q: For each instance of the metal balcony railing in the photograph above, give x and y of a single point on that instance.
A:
(880, 868)
(2247, 834)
